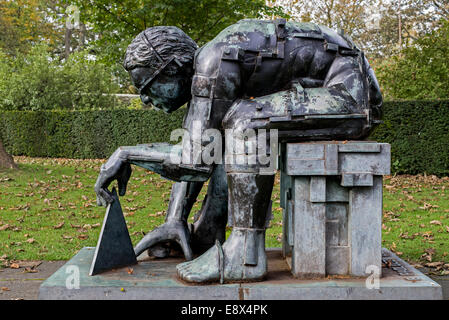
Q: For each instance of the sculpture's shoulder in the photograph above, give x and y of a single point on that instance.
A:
(256, 34)
(312, 30)
(244, 29)
(245, 35)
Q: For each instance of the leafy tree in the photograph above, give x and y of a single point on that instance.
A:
(24, 23)
(118, 22)
(38, 81)
(382, 28)
(421, 71)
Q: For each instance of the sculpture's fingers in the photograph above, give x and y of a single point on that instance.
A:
(150, 239)
(103, 181)
(101, 202)
(106, 195)
(123, 178)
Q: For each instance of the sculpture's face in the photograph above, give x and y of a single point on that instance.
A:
(164, 92)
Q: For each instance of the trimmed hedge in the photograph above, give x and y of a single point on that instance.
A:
(83, 134)
(418, 132)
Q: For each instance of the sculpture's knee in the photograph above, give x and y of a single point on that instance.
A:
(238, 118)
(241, 139)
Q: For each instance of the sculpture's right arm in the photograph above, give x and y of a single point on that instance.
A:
(159, 157)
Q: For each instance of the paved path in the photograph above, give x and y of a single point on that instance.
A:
(19, 284)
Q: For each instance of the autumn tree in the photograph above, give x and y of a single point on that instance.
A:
(421, 71)
(24, 23)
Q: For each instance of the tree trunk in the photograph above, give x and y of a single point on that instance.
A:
(67, 42)
(83, 33)
(6, 161)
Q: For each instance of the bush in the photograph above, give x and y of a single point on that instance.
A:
(83, 134)
(421, 70)
(39, 81)
(418, 132)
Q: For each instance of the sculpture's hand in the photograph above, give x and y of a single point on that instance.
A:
(116, 168)
(172, 230)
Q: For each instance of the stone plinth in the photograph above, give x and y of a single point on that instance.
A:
(156, 279)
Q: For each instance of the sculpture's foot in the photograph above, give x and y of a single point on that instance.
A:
(242, 258)
(171, 231)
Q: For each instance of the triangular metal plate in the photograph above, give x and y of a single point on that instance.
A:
(114, 248)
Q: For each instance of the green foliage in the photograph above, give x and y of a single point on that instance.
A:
(418, 132)
(38, 81)
(421, 71)
(24, 23)
(120, 21)
(83, 134)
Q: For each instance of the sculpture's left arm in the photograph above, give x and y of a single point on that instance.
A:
(353, 75)
(349, 94)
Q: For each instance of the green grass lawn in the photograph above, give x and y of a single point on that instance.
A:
(48, 211)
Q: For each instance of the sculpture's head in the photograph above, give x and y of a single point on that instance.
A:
(160, 63)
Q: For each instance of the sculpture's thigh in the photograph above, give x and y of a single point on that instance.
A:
(292, 120)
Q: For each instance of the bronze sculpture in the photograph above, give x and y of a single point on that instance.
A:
(306, 81)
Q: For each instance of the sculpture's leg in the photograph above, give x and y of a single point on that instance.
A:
(175, 228)
(210, 221)
(242, 257)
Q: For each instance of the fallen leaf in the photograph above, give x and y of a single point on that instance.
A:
(83, 237)
(434, 264)
(30, 264)
(436, 222)
(14, 266)
(5, 289)
(59, 225)
(130, 270)
(30, 270)
(31, 240)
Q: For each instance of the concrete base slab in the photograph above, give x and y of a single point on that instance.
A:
(154, 279)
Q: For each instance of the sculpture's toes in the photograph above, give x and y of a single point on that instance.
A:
(203, 269)
(150, 239)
